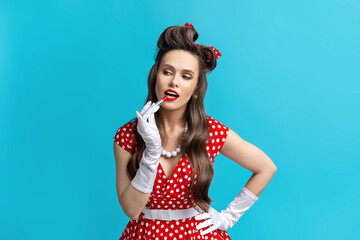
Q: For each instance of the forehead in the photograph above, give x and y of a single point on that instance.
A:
(180, 60)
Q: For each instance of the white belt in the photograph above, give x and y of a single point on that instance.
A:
(168, 214)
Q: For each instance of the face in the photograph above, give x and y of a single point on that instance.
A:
(178, 71)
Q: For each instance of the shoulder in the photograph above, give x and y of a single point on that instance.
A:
(217, 136)
(215, 125)
(128, 126)
(125, 136)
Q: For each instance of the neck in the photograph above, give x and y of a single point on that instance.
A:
(173, 120)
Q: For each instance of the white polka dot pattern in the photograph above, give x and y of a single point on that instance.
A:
(125, 137)
(217, 136)
(172, 193)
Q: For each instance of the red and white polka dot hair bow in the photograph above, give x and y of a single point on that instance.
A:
(217, 53)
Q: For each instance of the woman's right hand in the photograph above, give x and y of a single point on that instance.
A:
(147, 128)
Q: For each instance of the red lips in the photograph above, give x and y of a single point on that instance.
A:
(171, 96)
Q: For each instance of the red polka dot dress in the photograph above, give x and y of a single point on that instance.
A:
(171, 193)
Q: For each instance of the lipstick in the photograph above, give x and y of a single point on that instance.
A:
(158, 103)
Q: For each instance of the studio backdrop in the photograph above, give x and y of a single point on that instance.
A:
(72, 72)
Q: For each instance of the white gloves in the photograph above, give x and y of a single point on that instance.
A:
(227, 218)
(146, 127)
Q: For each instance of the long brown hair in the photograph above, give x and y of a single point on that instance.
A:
(193, 142)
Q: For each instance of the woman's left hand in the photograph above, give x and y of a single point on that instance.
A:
(228, 217)
(217, 219)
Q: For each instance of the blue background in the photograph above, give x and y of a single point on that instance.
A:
(73, 72)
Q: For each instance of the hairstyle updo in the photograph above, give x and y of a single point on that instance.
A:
(183, 37)
(192, 142)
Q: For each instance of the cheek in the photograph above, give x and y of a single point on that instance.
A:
(158, 84)
(159, 88)
(190, 89)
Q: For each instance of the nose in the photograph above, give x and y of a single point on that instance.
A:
(174, 81)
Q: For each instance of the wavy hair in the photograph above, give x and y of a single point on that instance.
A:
(192, 142)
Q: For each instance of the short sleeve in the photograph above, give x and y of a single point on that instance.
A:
(217, 136)
(125, 137)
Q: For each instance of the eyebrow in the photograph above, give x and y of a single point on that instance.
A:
(185, 70)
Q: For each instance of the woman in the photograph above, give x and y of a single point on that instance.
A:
(164, 157)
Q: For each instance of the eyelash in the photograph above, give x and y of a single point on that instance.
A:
(186, 77)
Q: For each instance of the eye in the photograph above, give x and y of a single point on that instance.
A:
(165, 72)
(169, 73)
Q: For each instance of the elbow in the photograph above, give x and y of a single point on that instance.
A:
(274, 169)
(129, 210)
(130, 213)
(133, 216)
(270, 169)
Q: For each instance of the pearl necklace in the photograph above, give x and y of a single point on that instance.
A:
(173, 153)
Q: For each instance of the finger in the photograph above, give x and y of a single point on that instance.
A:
(148, 111)
(146, 106)
(140, 120)
(202, 216)
(152, 119)
(204, 224)
(210, 229)
(152, 110)
(155, 108)
(138, 115)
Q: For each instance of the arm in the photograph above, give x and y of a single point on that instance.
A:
(131, 200)
(134, 194)
(252, 158)
(249, 157)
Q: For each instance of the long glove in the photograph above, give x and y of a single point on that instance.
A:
(146, 127)
(227, 218)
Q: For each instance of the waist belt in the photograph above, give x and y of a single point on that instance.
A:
(168, 214)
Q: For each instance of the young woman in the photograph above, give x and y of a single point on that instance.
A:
(164, 157)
